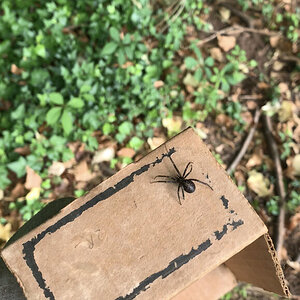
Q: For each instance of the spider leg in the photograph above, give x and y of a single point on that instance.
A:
(178, 195)
(163, 181)
(175, 167)
(202, 183)
(164, 176)
(185, 173)
(182, 190)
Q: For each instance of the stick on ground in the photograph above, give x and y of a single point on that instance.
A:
(246, 143)
(279, 183)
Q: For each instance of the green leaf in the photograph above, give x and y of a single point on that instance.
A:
(125, 128)
(40, 50)
(85, 88)
(107, 128)
(18, 113)
(109, 48)
(53, 115)
(42, 98)
(75, 103)
(39, 76)
(127, 39)
(56, 98)
(67, 122)
(4, 181)
(190, 62)
(114, 33)
(67, 154)
(129, 52)
(136, 143)
(121, 57)
(198, 75)
(19, 166)
(209, 61)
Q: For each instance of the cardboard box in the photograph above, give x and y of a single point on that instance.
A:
(131, 239)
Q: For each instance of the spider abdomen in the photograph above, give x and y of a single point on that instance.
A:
(188, 186)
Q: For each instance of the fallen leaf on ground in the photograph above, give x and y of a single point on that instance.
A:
(216, 54)
(126, 152)
(254, 160)
(223, 119)
(251, 104)
(33, 180)
(286, 111)
(106, 154)
(155, 142)
(34, 194)
(18, 191)
(172, 124)
(224, 13)
(190, 80)
(1, 194)
(226, 42)
(82, 172)
(69, 163)
(15, 70)
(57, 168)
(22, 150)
(296, 165)
(274, 40)
(278, 65)
(263, 85)
(283, 87)
(159, 83)
(5, 232)
(259, 184)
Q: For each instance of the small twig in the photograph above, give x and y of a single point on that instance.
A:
(279, 183)
(246, 143)
(236, 29)
(174, 14)
(251, 97)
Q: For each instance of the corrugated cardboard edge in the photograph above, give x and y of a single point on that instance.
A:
(278, 268)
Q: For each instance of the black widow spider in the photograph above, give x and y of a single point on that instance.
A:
(185, 184)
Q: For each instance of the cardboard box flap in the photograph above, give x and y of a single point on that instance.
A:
(129, 238)
(211, 286)
(258, 264)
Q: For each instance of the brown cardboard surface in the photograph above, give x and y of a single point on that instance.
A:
(257, 264)
(130, 239)
(211, 286)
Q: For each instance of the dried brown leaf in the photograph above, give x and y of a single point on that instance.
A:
(226, 42)
(274, 40)
(57, 168)
(15, 70)
(106, 154)
(22, 150)
(18, 191)
(217, 54)
(286, 111)
(155, 142)
(126, 152)
(296, 165)
(82, 172)
(159, 83)
(33, 180)
(259, 184)
(5, 232)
